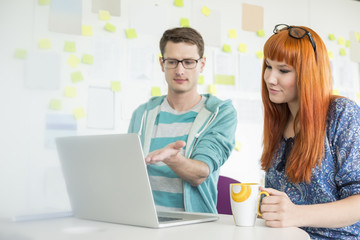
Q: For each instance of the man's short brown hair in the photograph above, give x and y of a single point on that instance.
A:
(182, 34)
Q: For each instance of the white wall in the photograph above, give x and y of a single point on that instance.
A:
(30, 178)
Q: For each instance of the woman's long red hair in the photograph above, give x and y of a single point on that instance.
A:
(314, 86)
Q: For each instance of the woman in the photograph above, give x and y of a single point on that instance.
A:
(311, 146)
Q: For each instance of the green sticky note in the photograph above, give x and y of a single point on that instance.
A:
(86, 30)
(73, 61)
(87, 59)
(155, 91)
(335, 92)
(70, 92)
(212, 89)
(109, 27)
(70, 46)
(357, 36)
(232, 33)
(226, 48)
(260, 33)
(225, 79)
(331, 55)
(206, 11)
(347, 44)
(358, 96)
(242, 48)
(20, 53)
(237, 145)
(77, 77)
(79, 113)
(184, 22)
(55, 104)
(179, 3)
(342, 52)
(332, 37)
(260, 54)
(130, 33)
(44, 43)
(115, 86)
(341, 41)
(201, 80)
(104, 15)
(44, 2)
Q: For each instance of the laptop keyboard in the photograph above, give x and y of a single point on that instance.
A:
(166, 219)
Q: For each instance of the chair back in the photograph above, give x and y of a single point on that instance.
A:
(223, 202)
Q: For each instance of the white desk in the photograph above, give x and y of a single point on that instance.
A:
(73, 228)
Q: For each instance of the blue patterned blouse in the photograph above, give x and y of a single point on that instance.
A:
(337, 177)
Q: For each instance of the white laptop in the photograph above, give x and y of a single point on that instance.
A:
(106, 179)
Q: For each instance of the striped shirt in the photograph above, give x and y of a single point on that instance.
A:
(170, 126)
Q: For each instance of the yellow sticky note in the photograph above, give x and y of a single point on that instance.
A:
(115, 86)
(242, 48)
(232, 33)
(87, 59)
(341, 41)
(201, 80)
(20, 53)
(44, 43)
(155, 91)
(206, 11)
(260, 33)
(109, 27)
(226, 48)
(43, 2)
(179, 3)
(330, 54)
(332, 37)
(237, 145)
(347, 44)
(70, 46)
(335, 92)
(358, 96)
(225, 79)
(77, 77)
(104, 15)
(260, 54)
(184, 22)
(212, 89)
(73, 61)
(79, 113)
(70, 92)
(131, 33)
(357, 36)
(55, 104)
(342, 52)
(86, 30)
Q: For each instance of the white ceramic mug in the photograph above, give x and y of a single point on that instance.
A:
(245, 203)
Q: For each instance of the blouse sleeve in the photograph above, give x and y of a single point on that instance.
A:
(345, 131)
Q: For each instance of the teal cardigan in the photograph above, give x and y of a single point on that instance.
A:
(211, 140)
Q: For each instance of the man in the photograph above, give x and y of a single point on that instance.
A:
(187, 136)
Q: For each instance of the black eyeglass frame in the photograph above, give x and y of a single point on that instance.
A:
(290, 28)
(178, 61)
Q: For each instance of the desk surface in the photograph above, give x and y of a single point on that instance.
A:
(73, 228)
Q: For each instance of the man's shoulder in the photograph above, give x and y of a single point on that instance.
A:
(151, 103)
(213, 103)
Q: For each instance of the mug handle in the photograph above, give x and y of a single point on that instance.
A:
(258, 209)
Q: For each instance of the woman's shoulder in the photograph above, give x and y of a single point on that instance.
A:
(342, 107)
(343, 113)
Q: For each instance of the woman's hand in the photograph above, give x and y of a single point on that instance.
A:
(278, 210)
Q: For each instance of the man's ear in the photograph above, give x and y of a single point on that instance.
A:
(202, 62)
(161, 63)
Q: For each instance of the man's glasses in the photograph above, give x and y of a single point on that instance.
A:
(170, 63)
(295, 32)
